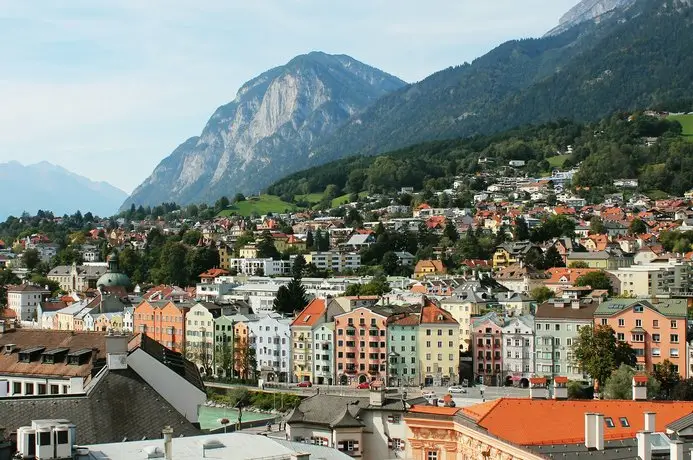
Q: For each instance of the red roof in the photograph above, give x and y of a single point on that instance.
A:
(310, 315)
(537, 380)
(433, 314)
(555, 422)
(640, 378)
(214, 272)
(561, 379)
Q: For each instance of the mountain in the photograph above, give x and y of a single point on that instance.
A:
(267, 131)
(53, 188)
(636, 56)
(587, 10)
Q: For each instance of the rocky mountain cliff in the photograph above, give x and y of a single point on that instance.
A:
(587, 10)
(53, 188)
(267, 131)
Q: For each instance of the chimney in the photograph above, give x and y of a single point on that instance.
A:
(639, 387)
(650, 422)
(644, 448)
(116, 351)
(2, 327)
(538, 388)
(575, 304)
(377, 396)
(168, 442)
(560, 388)
(598, 421)
(675, 449)
(589, 431)
(299, 456)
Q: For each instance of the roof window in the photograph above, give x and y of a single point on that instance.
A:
(609, 422)
(624, 422)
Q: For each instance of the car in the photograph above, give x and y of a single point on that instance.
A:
(305, 384)
(363, 386)
(457, 389)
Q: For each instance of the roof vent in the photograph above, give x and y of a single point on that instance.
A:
(153, 452)
(9, 348)
(212, 444)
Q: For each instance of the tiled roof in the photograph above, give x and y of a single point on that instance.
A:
(214, 272)
(668, 307)
(501, 420)
(26, 287)
(120, 405)
(310, 315)
(549, 310)
(408, 320)
(433, 314)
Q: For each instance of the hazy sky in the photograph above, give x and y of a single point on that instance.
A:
(109, 88)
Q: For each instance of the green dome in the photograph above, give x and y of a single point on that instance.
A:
(110, 279)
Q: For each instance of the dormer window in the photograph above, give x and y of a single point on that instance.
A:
(28, 355)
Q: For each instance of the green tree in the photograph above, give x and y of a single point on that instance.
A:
(41, 280)
(595, 280)
(683, 391)
(298, 268)
(552, 258)
(541, 294)
(310, 242)
(450, 231)
(390, 263)
(266, 247)
(7, 278)
(192, 237)
(620, 384)
(30, 259)
(221, 204)
(535, 258)
(667, 376)
(637, 227)
(238, 197)
(290, 298)
(579, 264)
(521, 230)
(597, 226)
(595, 351)
(172, 263)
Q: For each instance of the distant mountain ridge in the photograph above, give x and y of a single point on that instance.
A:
(53, 188)
(587, 10)
(267, 131)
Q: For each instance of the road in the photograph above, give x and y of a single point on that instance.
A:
(473, 395)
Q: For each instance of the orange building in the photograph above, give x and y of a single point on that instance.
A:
(162, 321)
(241, 333)
(655, 328)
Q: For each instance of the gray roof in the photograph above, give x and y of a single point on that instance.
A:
(326, 409)
(626, 449)
(120, 405)
(681, 424)
(90, 271)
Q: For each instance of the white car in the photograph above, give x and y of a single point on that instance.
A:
(457, 389)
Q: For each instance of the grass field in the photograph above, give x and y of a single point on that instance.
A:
(558, 160)
(345, 199)
(687, 123)
(312, 198)
(259, 205)
(656, 194)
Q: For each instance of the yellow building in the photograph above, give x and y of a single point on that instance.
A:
(604, 260)
(462, 311)
(439, 346)
(429, 267)
(225, 256)
(249, 251)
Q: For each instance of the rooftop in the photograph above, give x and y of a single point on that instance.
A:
(667, 307)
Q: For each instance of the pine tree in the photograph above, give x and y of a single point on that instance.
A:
(552, 258)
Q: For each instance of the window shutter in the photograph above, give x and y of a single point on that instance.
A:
(389, 444)
(340, 445)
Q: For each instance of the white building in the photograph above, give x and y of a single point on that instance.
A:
(260, 297)
(518, 349)
(652, 279)
(266, 267)
(323, 344)
(334, 260)
(271, 337)
(209, 292)
(199, 335)
(25, 300)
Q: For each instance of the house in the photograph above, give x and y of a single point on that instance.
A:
(561, 277)
(404, 369)
(405, 258)
(359, 241)
(163, 321)
(324, 354)
(270, 335)
(512, 253)
(487, 335)
(212, 274)
(520, 278)
(518, 350)
(369, 427)
(439, 345)
(429, 267)
(610, 259)
(249, 251)
(655, 328)
(334, 260)
(200, 321)
(77, 278)
(25, 300)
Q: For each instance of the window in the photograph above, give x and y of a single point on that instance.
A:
(638, 323)
(449, 331)
(656, 352)
(557, 327)
(432, 455)
(397, 444)
(624, 422)
(17, 388)
(394, 418)
(29, 387)
(41, 388)
(674, 338)
(655, 337)
(621, 322)
(569, 342)
(673, 324)
(605, 321)
(619, 336)
(428, 332)
(62, 437)
(638, 337)
(609, 422)
(428, 344)
(44, 438)
(655, 323)
(674, 352)
(428, 356)
(440, 332)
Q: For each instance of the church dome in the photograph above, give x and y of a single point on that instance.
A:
(110, 279)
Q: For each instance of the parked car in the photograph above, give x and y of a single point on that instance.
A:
(457, 389)
(305, 384)
(363, 386)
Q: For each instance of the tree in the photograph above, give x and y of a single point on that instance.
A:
(41, 280)
(637, 227)
(290, 298)
(552, 258)
(172, 263)
(579, 264)
(390, 263)
(541, 294)
(535, 258)
(595, 351)
(192, 237)
(30, 259)
(683, 391)
(595, 280)
(266, 248)
(521, 230)
(310, 243)
(298, 268)
(238, 197)
(667, 376)
(221, 204)
(450, 231)
(620, 384)
(597, 226)
(7, 278)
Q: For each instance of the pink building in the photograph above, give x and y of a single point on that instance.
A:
(360, 345)
(487, 347)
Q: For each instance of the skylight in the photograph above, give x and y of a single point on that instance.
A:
(609, 422)
(624, 422)
(305, 320)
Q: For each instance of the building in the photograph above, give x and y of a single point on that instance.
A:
(425, 268)
(259, 267)
(304, 345)
(324, 370)
(74, 278)
(200, 323)
(512, 253)
(652, 280)
(603, 260)
(487, 348)
(404, 369)
(113, 278)
(260, 297)
(367, 427)
(520, 278)
(557, 324)
(655, 328)
(25, 300)
(271, 337)
(162, 321)
(334, 260)
(224, 343)
(249, 251)
(518, 350)
(439, 346)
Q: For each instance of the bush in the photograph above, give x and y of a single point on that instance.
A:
(579, 390)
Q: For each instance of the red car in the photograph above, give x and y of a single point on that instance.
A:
(305, 384)
(363, 386)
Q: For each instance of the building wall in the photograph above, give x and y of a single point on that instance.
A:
(405, 368)
(271, 339)
(382, 427)
(358, 358)
(518, 352)
(323, 344)
(554, 337)
(462, 312)
(199, 337)
(487, 351)
(302, 349)
(223, 342)
(439, 354)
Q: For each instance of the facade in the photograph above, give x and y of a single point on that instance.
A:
(199, 335)
(429, 268)
(162, 321)
(603, 260)
(655, 328)
(241, 350)
(487, 348)
(260, 297)
(518, 350)
(463, 305)
(652, 280)
(256, 267)
(74, 278)
(512, 253)
(270, 336)
(361, 351)
(557, 324)
(323, 343)
(334, 260)
(25, 300)
(439, 346)
(404, 369)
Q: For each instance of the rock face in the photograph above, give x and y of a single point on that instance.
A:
(267, 131)
(53, 188)
(587, 10)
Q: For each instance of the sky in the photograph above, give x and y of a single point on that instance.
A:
(109, 88)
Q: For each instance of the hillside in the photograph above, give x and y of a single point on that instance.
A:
(52, 188)
(613, 148)
(634, 56)
(267, 131)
